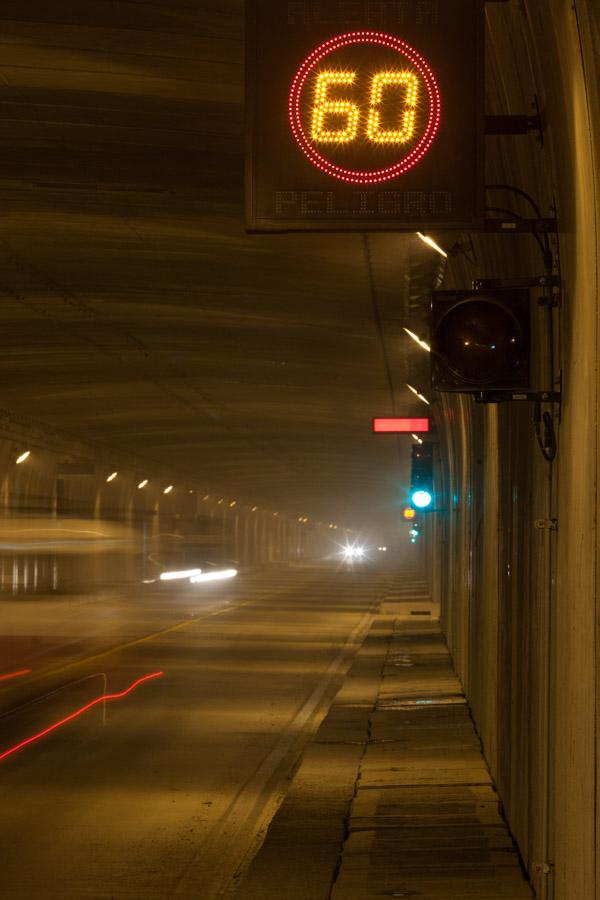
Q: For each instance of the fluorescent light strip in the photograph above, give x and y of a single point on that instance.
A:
(417, 340)
(431, 243)
(23, 457)
(417, 394)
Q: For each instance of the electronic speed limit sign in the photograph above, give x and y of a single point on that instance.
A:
(364, 115)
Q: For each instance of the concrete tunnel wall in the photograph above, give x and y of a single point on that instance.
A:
(520, 607)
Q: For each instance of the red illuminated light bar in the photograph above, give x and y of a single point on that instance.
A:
(400, 426)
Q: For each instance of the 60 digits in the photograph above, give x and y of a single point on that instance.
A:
(324, 106)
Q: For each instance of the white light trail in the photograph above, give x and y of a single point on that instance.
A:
(214, 576)
(176, 576)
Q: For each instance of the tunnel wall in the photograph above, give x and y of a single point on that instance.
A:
(520, 549)
(65, 528)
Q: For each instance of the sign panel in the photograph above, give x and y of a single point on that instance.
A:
(400, 426)
(364, 115)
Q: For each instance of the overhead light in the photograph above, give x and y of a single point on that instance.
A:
(213, 576)
(431, 243)
(416, 438)
(254, 508)
(219, 501)
(178, 576)
(168, 489)
(418, 340)
(275, 513)
(206, 497)
(142, 484)
(417, 394)
(23, 457)
(232, 504)
(112, 477)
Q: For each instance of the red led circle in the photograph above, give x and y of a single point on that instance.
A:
(410, 159)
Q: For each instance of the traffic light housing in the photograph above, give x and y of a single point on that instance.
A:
(480, 341)
(421, 476)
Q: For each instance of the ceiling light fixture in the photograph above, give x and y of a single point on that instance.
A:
(431, 243)
(418, 340)
(168, 489)
(417, 394)
(142, 484)
(23, 457)
(111, 477)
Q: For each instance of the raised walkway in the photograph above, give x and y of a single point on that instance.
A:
(393, 797)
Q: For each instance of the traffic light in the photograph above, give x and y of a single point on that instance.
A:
(421, 476)
(480, 340)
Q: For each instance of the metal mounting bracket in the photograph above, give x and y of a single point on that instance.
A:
(508, 396)
(490, 284)
(506, 225)
(546, 525)
(512, 124)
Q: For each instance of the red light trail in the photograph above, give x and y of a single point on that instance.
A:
(16, 674)
(78, 712)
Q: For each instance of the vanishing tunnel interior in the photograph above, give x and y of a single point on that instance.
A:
(227, 274)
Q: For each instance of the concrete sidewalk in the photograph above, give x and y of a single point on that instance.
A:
(393, 797)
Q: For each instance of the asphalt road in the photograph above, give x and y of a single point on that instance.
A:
(165, 792)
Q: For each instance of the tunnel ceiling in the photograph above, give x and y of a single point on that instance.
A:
(137, 313)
